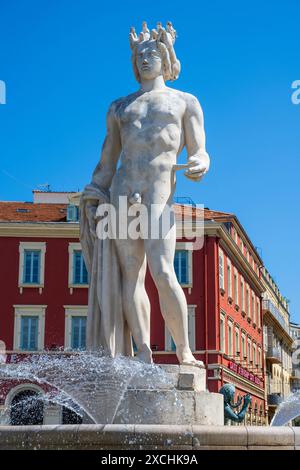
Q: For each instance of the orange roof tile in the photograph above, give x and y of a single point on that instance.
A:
(29, 212)
(50, 212)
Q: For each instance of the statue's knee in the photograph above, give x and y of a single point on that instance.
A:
(163, 280)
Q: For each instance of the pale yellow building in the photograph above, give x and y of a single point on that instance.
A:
(277, 344)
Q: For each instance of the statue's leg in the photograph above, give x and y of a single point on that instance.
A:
(173, 305)
(136, 304)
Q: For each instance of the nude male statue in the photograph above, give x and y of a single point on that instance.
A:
(146, 131)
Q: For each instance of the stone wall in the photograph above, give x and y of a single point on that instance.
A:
(121, 437)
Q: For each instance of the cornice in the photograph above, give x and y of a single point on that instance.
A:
(217, 229)
(39, 229)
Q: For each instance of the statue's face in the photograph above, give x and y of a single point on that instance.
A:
(148, 60)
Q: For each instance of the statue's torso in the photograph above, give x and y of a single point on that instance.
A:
(151, 136)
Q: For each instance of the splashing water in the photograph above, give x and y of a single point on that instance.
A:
(85, 382)
(288, 410)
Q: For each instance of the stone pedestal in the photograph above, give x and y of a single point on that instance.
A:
(180, 398)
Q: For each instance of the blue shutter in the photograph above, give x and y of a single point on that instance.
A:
(84, 272)
(29, 333)
(36, 267)
(181, 266)
(78, 333)
(76, 267)
(32, 261)
(80, 275)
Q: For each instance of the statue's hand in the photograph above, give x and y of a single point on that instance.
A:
(91, 213)
(198, 165)
(247, 399)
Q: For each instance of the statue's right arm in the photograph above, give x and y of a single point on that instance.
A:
(111, 149)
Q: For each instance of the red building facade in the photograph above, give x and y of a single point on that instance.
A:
(44, 293)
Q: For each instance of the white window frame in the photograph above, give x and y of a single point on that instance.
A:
(221, 270)
(29, 311)
(242, 282)
(39, 246)
(187, 246)
(72, 311)
(74, 247)
(191, 331)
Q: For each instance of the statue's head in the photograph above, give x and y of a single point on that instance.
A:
(153, 53)
(228, 391)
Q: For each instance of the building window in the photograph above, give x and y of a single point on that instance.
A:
(237, 341)
(75, 326)
(29, 333)
(254, 355)
(181, 266)
(244, 346)
(183, 263)
(78, 333)
(249, 351)
(259, 357)
(80, 275)
(29, 327)
(222, 333)
(72, 213)
(253, 307)
(32, 259)
(230, 338)
(242, 294)
(221, 270)
(169, 342)
(248, 301)
(236, 287)
(32, 264)
(229, 279)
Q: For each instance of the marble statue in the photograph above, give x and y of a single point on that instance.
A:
(228, 391)
(146, 131)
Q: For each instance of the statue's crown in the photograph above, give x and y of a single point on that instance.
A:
(165, 35)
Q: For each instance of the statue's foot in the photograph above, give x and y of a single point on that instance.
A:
(186, 358)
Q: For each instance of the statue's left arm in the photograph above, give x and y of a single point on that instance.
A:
(193, 122)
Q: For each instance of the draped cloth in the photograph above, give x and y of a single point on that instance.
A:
(107, 328)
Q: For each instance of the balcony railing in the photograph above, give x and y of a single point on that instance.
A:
(295, 374)
(273, 355)
(268, 305)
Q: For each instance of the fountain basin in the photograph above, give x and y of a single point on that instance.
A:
(123, 437)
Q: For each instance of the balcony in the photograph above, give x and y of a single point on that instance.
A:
(274, 399)
(270, 307)
(273, 355)
(295, 375)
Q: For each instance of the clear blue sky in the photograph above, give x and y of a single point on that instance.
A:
(64, 62)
